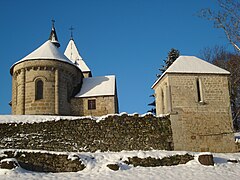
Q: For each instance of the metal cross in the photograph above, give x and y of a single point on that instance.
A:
(71, 29)
(53, 21)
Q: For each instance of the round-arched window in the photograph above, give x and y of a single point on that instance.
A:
(38, 89)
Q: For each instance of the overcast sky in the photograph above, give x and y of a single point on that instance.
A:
(128, 38)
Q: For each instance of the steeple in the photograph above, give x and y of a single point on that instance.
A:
(72, 53)
(53, 36)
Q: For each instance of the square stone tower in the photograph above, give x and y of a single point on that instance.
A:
(196, 95)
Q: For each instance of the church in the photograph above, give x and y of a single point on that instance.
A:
(192, 93)
(49, 82)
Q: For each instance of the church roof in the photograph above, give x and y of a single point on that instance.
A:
(98, 86)
(46, 51)
(192, 64)
(72, 53)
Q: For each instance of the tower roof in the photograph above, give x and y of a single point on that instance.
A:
(72, 53)
(47, 51)
(53, 36)
(193, 65)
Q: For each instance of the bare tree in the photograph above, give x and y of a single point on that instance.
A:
(210, 54)
(227, 18)
(229, 61)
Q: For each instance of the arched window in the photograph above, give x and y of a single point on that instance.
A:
(39, 89)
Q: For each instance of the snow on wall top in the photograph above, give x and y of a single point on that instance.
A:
(8, 119)
(192, 64)
(72, 53)
(33, 118)
(46, 51)
(98, 86)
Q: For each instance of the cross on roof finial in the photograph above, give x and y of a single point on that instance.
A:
(53, 21)
(53, 35)
(71, 29)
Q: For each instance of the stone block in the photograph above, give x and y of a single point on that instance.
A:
(206, 159)
(113, 167)
(9, 163)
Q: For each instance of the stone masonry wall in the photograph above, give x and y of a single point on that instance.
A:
(205, 125)
(44, 161)
(162, 97)
(59, 80)
(50, 161)
(104, 105)
(115, 133)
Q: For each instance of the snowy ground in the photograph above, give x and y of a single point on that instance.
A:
(237, 137)
(96, 169)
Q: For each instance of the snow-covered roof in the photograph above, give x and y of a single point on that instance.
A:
(72, 53)
(98, 86)
(46, 51)
(192, 64)
(82, 65)
(53, 37)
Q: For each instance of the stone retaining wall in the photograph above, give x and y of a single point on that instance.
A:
(45, 162)
(115, 133)
(50, 161)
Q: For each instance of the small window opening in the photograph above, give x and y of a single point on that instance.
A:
(39, 90)
(91, 104)
(199, 91)
(162, 101)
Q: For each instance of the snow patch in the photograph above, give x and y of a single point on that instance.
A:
(9, 160)
(18, 119)
(34, 118)
(96, 167)
(237, 137)
(98, 86)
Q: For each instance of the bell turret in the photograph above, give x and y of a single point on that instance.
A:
(53, 36)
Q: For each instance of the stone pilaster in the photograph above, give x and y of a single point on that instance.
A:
(21, 92)
(14, 93)
(56, 91)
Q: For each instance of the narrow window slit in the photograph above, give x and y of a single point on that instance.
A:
(199, 91)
